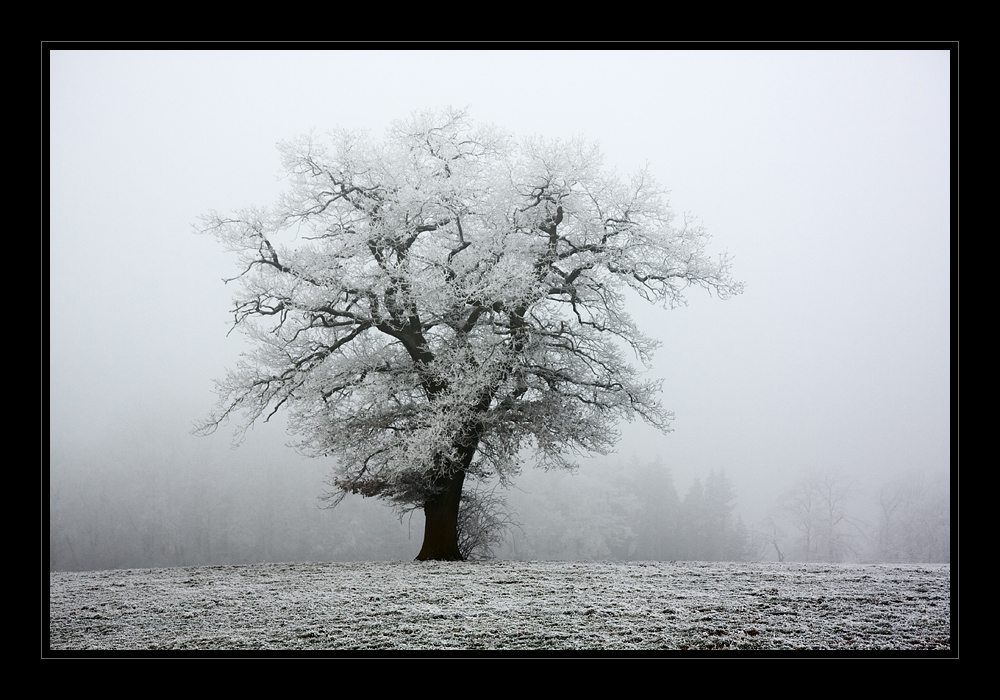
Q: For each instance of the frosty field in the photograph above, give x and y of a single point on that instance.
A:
(505, 605)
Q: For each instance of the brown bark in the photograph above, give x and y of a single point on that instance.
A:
(441, 509)
(441, 522)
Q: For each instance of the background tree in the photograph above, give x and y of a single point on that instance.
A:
(768, 536)
(839, 531)
(657, 515)
(428, 306)
(694, 522)
(723, 535)
(913, 520)
(818, 508)
(709, 531)
(800, 510)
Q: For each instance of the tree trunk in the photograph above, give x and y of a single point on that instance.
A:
(441, 525)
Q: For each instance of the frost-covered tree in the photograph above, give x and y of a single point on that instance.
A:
(427, 306)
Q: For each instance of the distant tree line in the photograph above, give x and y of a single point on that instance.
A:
(137, 510)
(825, 517)
(629, 513)
(121, 512)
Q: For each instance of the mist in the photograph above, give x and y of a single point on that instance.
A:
(824, 174)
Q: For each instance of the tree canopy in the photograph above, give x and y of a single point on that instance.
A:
(427, 306)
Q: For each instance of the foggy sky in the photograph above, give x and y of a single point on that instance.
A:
(825, 174)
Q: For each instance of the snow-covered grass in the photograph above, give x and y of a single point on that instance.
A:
(505, 605)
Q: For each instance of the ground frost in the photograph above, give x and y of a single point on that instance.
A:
(505, 606)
